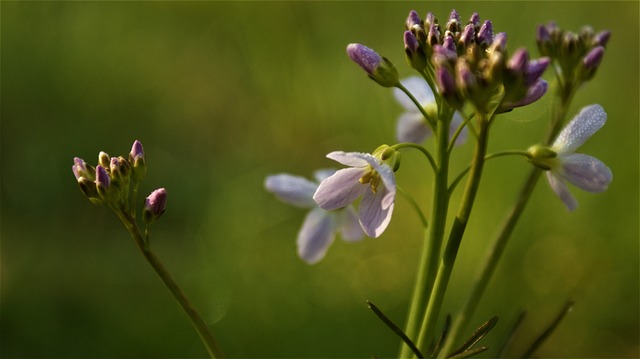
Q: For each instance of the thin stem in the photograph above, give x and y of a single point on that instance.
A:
(455, 236)
(455, 182)
(429, 120)
(458, 132)
(496, 248)
(434, 234)
(420, 148)
(143, 245)
(415, 206)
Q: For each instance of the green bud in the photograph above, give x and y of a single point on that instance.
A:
(542, 157)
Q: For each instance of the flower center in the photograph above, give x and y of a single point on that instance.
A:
(372, 178)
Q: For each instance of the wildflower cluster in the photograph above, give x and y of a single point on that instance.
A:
(466, 78)
(114, 182)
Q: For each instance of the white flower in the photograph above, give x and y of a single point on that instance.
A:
(368, 176)
(412, 126)
(583, 171)
(319, 227)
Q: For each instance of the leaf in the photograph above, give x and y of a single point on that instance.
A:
(395, 329)
(547, 332)
(475, 338)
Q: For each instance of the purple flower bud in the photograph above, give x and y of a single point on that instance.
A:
(593, 58)
(102, 179)
(468, 35)
(365, 57)
(534, 93)
(542, 34)
(601, 38)
(410, 42)
(136, 151)
(449, 44)
(379, 69)
(454, 16)
(464, 76)
(79, 168)
(442, 55)
(535, 69)
(485, 34)
(519, 61)
(154, 205)
(413, 19)
(475, 19)
(499, 42)
(445, 81)
(433, 37)
(429, 20)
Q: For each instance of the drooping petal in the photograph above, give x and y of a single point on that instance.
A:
(316, 235)
(584, 125)
(562, 191)
(352, 159)
(388, 181)
(412, 127)
(350, 226)
(418, 88)
(341, 189)
(586, 172)
(294, 190)
(374, 217)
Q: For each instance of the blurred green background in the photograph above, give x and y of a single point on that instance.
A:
(222, 94)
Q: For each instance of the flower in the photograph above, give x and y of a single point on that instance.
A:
(379, 68)
(154, 205)
(412, 126)
(585, 172)
(319, 227)
(369, 176)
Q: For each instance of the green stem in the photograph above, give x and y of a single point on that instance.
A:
(429, 120)
(201, 327)
(414, 205)
(496, 248)
(433, 235)
(424, 151)
(427, 333)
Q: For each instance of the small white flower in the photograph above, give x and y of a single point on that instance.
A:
(412, 126)
(583, 171)
(368, 176)
(319, 227)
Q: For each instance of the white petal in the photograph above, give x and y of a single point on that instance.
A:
(561, 189)
(586, 172)
(350, 226)
(341, 189)
(418, 87)
(584, 125)
(294, 190)
(316, 235)
(412, 127)
(455, 123)
(352, 159)
(374, 219)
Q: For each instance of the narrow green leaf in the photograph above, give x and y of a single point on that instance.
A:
(395, 329)
(475, 338)
(443, 337)
(547, 332)
(512, 333)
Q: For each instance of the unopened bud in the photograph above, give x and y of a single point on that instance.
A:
(137, 160)
(154, 206)
(542, 157)
(377, 67)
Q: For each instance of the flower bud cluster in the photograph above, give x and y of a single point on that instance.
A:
(113, 178)
(578, 55)
(471, 63)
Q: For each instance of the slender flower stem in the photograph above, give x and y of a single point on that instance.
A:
(426, 153)
(427, 332)
(143, 245)
(415, 206)
(496, 248)
(430, 120)
(434, 234)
